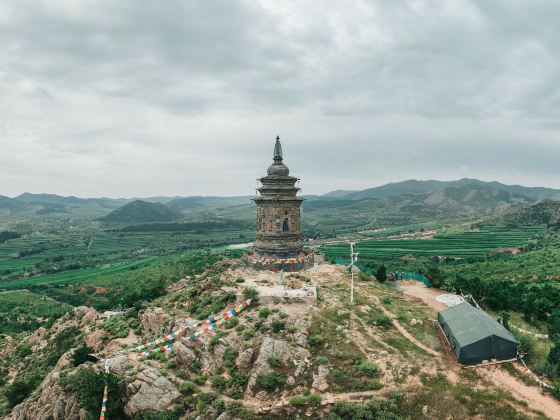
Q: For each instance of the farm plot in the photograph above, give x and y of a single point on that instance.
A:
(460, 244)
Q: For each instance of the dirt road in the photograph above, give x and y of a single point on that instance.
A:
(533, 395)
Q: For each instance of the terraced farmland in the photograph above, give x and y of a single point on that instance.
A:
(458, 244)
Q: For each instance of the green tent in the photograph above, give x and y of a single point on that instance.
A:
(474, 336)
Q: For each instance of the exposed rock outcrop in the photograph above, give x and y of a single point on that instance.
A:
(152, 321)
(320, 381)
(95, 340)
(149, 391)
(53, 403)
(185, 356)
(289, 356)
(244, 359)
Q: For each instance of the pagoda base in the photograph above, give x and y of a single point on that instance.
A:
(288, 265)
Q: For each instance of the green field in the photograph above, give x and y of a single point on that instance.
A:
(21, 310)
(456, 244)
(44, 257)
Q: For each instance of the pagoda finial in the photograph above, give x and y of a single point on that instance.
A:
(277, 150)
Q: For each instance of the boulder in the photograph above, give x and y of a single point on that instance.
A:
(119, 365)
(95, 340)
(149, 391)
(244, 359)
(185, 356)
(320, 382)
(153, 320)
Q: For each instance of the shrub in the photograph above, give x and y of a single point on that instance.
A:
(322, 360)
(264, 313)
(215, 338)
(292, 329)
(298, 401)
(314, 399)
(239, 379)
(19, 390)
(117, 326)
(188, 388)
(219, 382)
(554, 354)
(231, 323)
(556, 390)
(230, 355)
(274, 361)
(381, 273)
(250, 293)
(157, 415)
(367, 368)
(382, 321)
(89, 385)
(369, 385)
(272, 380)
(338, 375)
(81, 355)
(235, 408)
(277, 326)
(200, 379)
(24, 351)
(240, 280)
(316, 340)
(196, 365)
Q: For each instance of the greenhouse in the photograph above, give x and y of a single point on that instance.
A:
(475, 337)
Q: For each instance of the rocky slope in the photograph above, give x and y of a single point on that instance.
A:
(381, 356)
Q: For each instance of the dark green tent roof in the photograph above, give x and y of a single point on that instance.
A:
(470, 325)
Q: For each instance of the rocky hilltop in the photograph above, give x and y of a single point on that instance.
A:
(281, 357)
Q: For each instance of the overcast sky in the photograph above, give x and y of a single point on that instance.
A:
(142, 98)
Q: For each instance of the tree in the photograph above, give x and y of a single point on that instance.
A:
(554, 324)
(89, 385)
(554, 354)
(553, 361)
(381, 273)
(505, 319)
(19, 390)
(434, 274)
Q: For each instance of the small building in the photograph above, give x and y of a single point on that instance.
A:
(475, 337)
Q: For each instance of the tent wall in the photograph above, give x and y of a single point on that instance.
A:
(486, 348)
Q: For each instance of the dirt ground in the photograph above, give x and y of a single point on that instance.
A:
(533, 395)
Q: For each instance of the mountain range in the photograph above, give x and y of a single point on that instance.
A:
(422, 200)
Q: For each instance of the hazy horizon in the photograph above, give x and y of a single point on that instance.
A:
(102, 98)
(243, 195)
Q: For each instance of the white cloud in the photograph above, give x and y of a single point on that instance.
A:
(114, 98)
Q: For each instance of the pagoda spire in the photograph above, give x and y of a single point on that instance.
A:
(277, 151)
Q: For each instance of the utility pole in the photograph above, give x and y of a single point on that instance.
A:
(353, 259)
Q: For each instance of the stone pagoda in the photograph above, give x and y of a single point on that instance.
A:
(279, 244)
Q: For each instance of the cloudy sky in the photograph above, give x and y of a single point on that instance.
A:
(177, 97)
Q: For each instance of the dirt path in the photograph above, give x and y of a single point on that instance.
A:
(419, 290)
(533, 395)
(530, 394)
(402, 330)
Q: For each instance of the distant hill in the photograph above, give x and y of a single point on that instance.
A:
(542, 212)
(413, 186)
(197, 202)
(338, 193)
(396, 203)
(139, 211)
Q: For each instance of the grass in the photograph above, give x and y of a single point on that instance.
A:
(444, 399)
